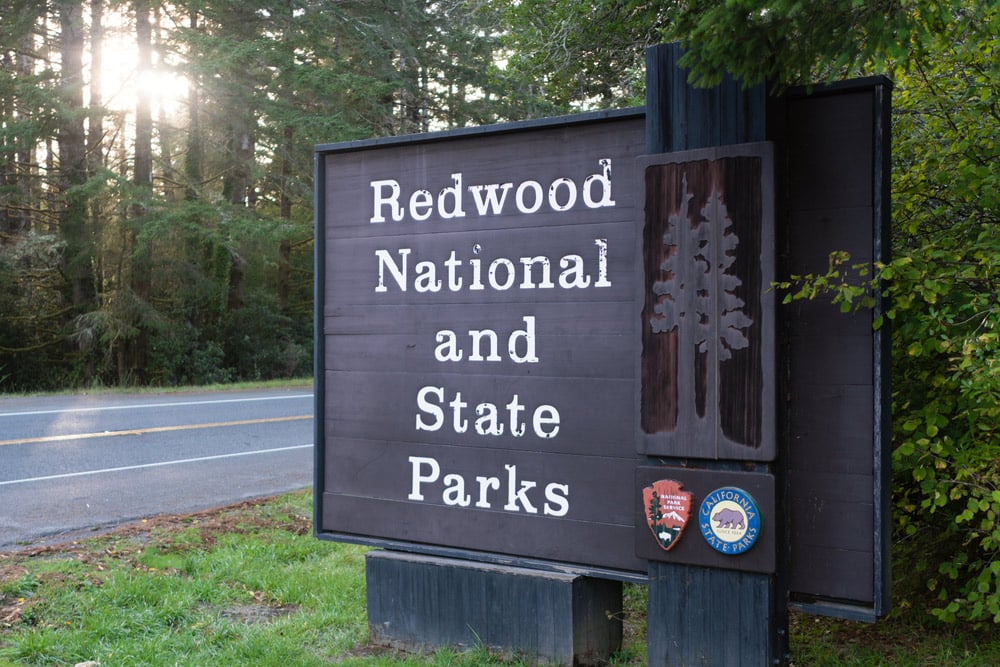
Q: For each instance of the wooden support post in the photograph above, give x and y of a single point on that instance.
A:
(698, 615)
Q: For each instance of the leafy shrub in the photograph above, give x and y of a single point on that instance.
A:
(263, 344)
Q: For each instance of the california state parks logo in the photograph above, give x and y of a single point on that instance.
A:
(667, 511)
(729, 520)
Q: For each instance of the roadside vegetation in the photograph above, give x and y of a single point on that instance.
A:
(250, 585)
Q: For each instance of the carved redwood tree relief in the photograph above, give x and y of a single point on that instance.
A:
(707, 360)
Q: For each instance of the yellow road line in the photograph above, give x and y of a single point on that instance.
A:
(156, 429)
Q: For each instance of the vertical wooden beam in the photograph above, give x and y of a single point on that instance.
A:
(681, 117)
(698, 615)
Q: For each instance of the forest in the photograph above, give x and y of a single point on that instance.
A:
(156, 171)
(156, 191)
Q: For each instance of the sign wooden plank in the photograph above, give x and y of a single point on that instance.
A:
(817, 232)
(501, 266)
(825, 574)
(494, 533)
(823, 410)
(362, 473)
(475, 411)
(410, 338)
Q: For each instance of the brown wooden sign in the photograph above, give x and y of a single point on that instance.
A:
(513, 320)
(479, 340)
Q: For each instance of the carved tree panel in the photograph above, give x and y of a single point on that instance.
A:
(707, 364)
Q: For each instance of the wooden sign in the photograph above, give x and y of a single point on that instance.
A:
(479, 337)
(513, 320)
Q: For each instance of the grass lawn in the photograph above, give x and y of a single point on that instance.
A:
(250, 585)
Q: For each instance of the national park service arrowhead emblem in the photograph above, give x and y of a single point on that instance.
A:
(667, 511)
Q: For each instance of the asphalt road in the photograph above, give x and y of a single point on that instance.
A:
(77, 463)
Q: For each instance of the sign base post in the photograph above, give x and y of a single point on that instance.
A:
(703, 616)
(418, 602)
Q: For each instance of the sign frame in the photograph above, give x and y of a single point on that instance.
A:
(635, 569)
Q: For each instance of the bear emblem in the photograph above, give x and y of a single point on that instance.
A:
(729, 518)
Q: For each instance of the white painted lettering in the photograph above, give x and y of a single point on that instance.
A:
(518, 496)
(457, 490)
(487, 423)
(490, 199)
(417, 478)
(425, 277)
(429, 408)
(421, 205)
(514, 409)
(545, 421)
(509, 273)
(447, 349)
(454, 491)
(398, 274)
(486, 484)
(536, 197)
(527, 282)
(603, 180)
(454, 273)
(459, 424)
(490, 204)
(453, 192)
(573, 275)
(528, 336)
(570, 188)
(380, 200)
(557, 499)
(602, 263)
(477, 339)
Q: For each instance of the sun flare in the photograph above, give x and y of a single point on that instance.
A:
(123, 81)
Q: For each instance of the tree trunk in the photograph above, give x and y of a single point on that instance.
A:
(26, 159)
(8, 159)
(143, 178)
(285, 245)
(95, 121)
(194, 161)
(72, 157)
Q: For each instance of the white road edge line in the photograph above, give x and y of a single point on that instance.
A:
(153, 405)
(152, 465)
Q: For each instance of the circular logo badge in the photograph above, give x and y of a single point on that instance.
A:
(729, 520)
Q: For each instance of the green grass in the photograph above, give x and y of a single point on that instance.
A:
(250, 585)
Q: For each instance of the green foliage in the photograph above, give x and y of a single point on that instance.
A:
(31, 312)
(263, 344)
(788, 41)
(945, 290)
(848, 285)
(571, 55)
